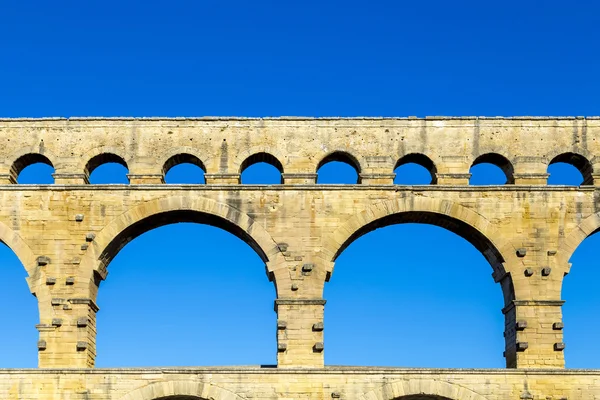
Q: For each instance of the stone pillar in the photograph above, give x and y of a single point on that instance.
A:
(222, 179)
(533, 334)
(531, 178)
(377, 179)
(453, 179)
(299, 178)
(145, 179)
(595, 177)
(67, 329)
(7, 179)
(70, 179)
(300, 333)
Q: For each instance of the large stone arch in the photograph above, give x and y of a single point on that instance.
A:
(424, 387)
(217, 214)
(166, 389)
(478, 230)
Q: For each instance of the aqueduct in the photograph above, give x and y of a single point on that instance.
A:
(66, 234)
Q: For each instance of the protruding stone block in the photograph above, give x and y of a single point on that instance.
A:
(307, 267)
(82, 346)
(318, 327)
(70, 280)
(82, 322)
(294, 286)
(56, 322)
(281, 347)
(558, 326)
(79, 217)
(560, 346)
(282, 247)
(522, 346)
(57, 301)
(41, 345)
(528, 271)
(318, 347)
(546, 271)
(43, 260)
(50, 280)
(281, 325)
(521, 325)
(521, 252)
(90, 237)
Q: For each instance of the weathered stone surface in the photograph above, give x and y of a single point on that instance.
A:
(525, 229)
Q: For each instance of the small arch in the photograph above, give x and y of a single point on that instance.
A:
(266, 175)
(31, 159)
(182, 160)
(496, 160)
(103, 159)
(336, 159)
(418, 159)
(578, 161)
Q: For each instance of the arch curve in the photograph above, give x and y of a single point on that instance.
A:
(579, 161)
(341, 156)
(25, 160)
(465, 222)
(103, 158)
(419, 159)
(96, 154)
(175, 389)
(166, 210)
(500, 161)
(262, 157)
(256, 154)
(182, 158)
(410, 388)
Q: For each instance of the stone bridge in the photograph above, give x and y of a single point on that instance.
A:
(67, 233)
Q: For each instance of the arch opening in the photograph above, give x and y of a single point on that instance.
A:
(570, 169)
(106, 168)
(262, 169)
(424, 284)
(338, 168)
(193, 278)
(415, 169)
(18, 338)
(32, 168)
(491, 169)
(184, 168)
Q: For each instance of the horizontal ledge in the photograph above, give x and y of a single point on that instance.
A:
(316, 302)
(329, 370)
(297, 118)
(532, 303)
(232, 187)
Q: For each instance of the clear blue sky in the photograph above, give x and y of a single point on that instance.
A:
(257, 58)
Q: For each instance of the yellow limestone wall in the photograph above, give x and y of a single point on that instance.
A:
(66, 234)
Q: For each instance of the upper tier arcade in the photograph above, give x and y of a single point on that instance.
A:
(523, 147)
